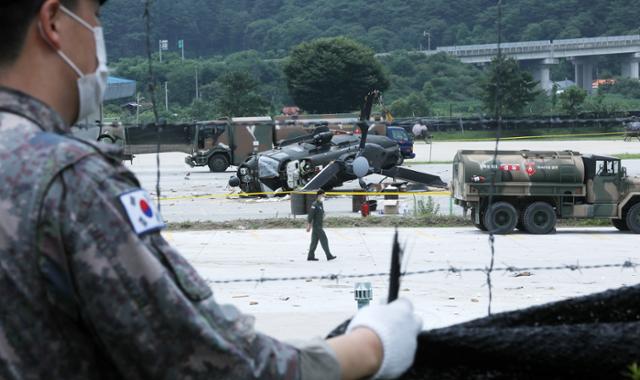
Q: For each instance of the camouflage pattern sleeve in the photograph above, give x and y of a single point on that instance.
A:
(148, 310)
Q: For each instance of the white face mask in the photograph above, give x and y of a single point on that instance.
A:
(91, 87)
(321, 199)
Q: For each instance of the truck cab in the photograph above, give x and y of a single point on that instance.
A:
(404, 139)
(210, 146)
(220, 144)
(604, 180)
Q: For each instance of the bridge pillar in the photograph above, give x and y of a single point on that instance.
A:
(584, 67)
(542, 72)
(631, 67)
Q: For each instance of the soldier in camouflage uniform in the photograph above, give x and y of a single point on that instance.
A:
(315, 221)
(89, 287)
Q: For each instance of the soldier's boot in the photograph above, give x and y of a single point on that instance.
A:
(325, 245)
(312, 247)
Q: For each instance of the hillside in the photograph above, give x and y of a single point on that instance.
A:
(274, 26)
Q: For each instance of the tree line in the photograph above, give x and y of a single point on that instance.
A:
(274, 27)
(334, 75)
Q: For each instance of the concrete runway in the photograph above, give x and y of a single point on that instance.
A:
(303, 309)
(179, 181)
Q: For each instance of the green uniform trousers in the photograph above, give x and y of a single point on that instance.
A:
(317, 233)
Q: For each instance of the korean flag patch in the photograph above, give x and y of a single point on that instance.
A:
(141, 212)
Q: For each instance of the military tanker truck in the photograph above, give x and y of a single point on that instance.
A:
(532, 189)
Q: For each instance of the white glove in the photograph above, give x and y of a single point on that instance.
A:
(397, 327)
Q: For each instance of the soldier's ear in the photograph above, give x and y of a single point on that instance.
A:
(48, 21)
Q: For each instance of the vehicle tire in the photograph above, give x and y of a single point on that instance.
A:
(480, 225)
(633, 219)
(539, 218)
(218, 163)
(106, 139)
(501, 218)
(620, 224)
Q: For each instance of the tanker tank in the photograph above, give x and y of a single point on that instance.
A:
(526, 167)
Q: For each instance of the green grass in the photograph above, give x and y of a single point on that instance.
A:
(331, 222)
(440, 221)
(622, 156)
(452, 136)
(474, 107)
(628, 156)
(412, 163)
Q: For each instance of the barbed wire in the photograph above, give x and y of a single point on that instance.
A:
(498, 105)
(628, 264)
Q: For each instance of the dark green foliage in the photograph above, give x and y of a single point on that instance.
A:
(256, 36)
(333, 75)
(439, 77)
(624, 86)
(572, 100)
(507, 89)
(181, 77)
(237, 96)
(276, 26)
(413, 105)
(599, 105)
(634, 372)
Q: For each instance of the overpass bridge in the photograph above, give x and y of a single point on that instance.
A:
(540, 55)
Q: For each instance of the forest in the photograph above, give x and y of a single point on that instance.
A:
(273, 27)
(256, 37)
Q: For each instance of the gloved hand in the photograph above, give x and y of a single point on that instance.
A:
(397, 327)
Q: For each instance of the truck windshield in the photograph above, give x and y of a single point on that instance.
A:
(607, 168)
(399, 135)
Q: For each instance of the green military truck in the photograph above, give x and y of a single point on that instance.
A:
(532, 189)
(216, 144)
(229, 143)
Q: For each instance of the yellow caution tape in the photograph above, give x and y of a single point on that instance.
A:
(329, 193)
(541, 137)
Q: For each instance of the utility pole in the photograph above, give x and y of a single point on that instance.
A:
(197, 86)
(166, 96)
(138, 108)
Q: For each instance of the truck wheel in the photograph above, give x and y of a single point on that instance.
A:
(106, 139)
(501, 218)
(620, 224)
(633, 219)
(539, 218)
(218, 163)
(480, 225)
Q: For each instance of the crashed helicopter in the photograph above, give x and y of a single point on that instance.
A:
(324, 160)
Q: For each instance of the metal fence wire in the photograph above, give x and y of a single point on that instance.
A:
(488, 271)
(628, 264)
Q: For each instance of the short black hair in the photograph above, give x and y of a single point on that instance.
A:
(15, 17)
(320, 192)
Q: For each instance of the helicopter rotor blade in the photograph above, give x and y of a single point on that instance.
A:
(328, 174)
(414, 176)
